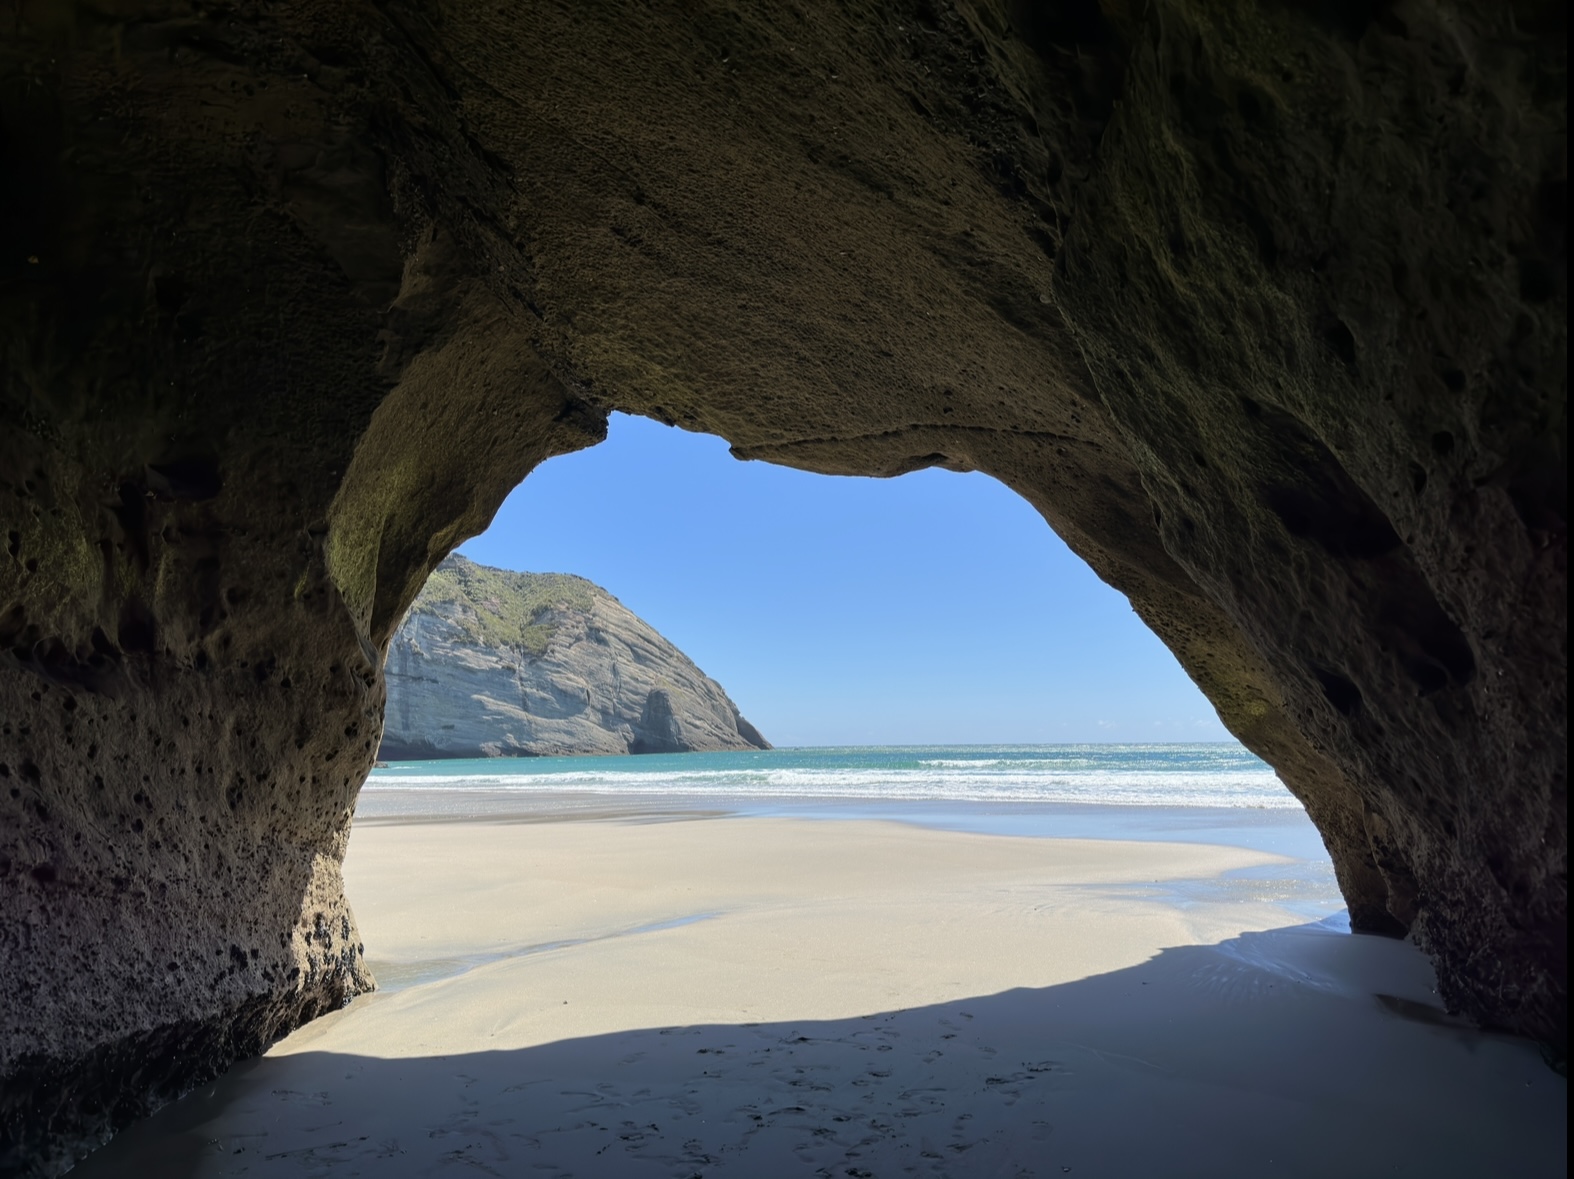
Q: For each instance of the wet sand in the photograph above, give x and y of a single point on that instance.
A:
(680, 995)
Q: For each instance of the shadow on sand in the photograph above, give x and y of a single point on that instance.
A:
(1302, 1051)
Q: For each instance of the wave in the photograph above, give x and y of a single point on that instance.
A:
(998, 781)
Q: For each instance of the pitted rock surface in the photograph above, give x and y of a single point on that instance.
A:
(489, 663)
(1262, 305)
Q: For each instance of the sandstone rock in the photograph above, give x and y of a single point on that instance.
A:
(495, 664)
(1262, 305)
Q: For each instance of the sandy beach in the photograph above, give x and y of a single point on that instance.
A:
(687, 995)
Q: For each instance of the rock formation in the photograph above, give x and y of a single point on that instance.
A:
(1261, 303)
(489, 663)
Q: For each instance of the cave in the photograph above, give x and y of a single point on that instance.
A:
(1261, 305)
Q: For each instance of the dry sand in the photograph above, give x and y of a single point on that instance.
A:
(758, 997)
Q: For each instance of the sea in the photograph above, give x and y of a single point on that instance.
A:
(1202, 792)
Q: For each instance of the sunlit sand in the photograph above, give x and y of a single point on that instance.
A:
(762, 997)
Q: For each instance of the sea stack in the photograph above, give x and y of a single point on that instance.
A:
(489, 663)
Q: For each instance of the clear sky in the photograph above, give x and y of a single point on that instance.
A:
(933, 608)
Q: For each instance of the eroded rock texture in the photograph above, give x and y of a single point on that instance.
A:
(489, 663)
(1262, 305)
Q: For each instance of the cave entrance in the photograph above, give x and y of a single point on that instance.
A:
(933, 608)
(943, 681)
(787, 644)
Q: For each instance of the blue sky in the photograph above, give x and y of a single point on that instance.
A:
(933, 608)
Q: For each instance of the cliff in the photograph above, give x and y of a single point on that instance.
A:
(489, 663)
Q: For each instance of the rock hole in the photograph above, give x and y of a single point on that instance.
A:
(1342, 523)
(1063, 26)
(1537, 284)
(1340, 340)
(135, 633)
(1340, 691)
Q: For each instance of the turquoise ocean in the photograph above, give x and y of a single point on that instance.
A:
(1206, 793)
(1196, 775)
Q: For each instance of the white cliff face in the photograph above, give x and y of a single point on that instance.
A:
(603, 682)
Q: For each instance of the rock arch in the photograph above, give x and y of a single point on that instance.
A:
(1263, 306)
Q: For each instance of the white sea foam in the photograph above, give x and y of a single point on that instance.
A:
(1088, 775)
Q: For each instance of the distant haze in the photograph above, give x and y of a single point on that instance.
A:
(933, 608)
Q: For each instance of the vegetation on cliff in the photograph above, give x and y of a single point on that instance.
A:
(500, 608)
(491, 663)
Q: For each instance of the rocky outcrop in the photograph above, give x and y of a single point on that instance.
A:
(489, 663)
(1262, 305)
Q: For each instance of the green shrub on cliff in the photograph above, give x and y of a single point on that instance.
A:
(500, 608)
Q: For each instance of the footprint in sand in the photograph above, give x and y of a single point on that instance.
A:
(1009, 1087)
(694, 1152)
(1008, 1079)
(295, 1098)
(634, 1133)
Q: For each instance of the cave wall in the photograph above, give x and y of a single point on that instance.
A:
(1332, 322)
(1261, 305)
